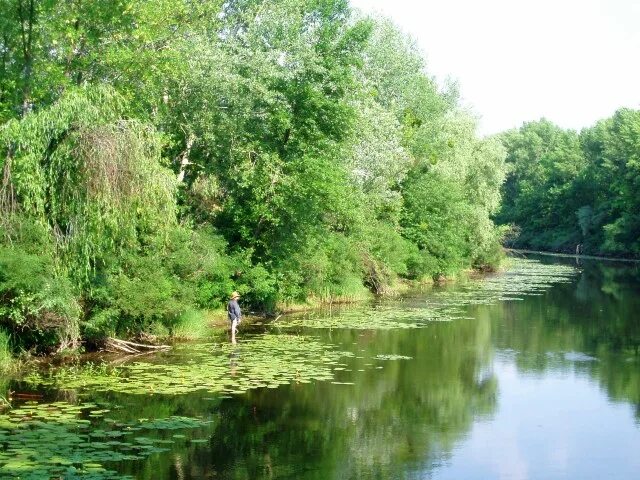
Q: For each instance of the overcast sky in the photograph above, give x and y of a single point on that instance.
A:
(570, 61)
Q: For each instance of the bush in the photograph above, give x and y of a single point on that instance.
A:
(192, 324)
(387, 256)
(436, 219)
(36, 299)
(330, 268)
(157, 286)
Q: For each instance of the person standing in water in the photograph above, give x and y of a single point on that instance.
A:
(235, 315)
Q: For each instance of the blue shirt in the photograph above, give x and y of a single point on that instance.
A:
(233, 310)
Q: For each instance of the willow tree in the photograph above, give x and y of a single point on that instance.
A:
(95, 187)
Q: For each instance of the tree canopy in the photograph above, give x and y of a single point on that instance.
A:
(157, 155)
(566, 189)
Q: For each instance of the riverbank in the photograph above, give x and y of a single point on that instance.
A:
(199, 325)
(568, 255)
(215, 321)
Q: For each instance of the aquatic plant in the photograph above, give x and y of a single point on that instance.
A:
(59, 440)
(392, 357)
(524, 277)
(381, 318)
(265, 360)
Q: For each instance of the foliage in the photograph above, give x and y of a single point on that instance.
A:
(159, 283)
(566, 189)
(174, 151)
(39, 305)
(6, 357)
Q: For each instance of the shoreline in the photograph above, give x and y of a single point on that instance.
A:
(569, 255)
(214, 324)
(216, 320)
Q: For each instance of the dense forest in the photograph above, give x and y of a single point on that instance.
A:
(568, 191)
(156, 155)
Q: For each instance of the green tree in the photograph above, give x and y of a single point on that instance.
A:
(539, 195)
(565, 189)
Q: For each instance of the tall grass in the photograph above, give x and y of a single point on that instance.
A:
(6, 358)
(192, 325)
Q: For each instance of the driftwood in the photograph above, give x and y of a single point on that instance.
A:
(27, 396)
(123, 346)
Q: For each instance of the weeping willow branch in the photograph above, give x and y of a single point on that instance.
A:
(95, 186)
(8, 202)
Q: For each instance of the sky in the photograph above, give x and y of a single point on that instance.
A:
(570, 61)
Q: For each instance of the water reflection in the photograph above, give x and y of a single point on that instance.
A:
(396, 415)
(536, 388)
(469, 382)
(590, 327)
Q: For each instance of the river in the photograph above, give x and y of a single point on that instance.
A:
(529, 374)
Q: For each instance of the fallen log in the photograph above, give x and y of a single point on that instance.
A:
(117, 345)
(27, 396)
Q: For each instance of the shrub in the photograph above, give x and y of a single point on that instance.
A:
(37, 300)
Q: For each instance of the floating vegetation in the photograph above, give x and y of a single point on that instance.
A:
(392, 357)
(262, 361)
(58, 440)
(383, 317)
(524, 278)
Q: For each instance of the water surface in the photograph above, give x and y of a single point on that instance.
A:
(542, 384)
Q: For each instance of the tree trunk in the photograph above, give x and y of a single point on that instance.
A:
(184, 158)
(27, 17)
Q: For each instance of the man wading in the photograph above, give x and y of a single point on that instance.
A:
(233, 311)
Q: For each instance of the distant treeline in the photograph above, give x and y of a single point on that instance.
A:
(156, 155)
(568, 190)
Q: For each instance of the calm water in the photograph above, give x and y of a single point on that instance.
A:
(546, 387)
